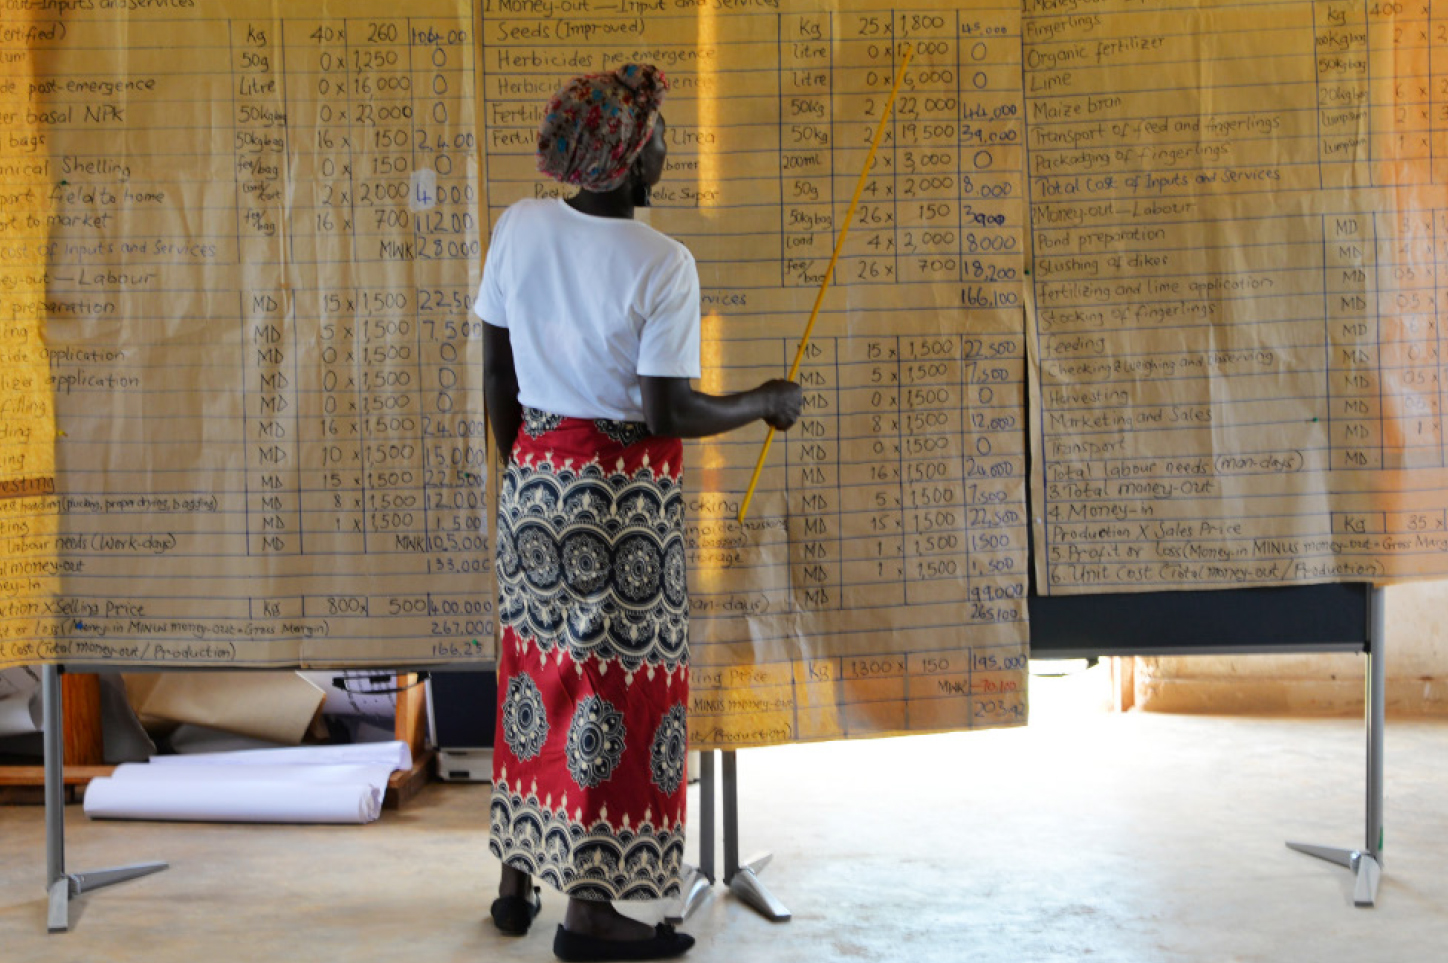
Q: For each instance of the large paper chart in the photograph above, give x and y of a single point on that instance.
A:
(878, 584)
(1240, 287)
(253, 243)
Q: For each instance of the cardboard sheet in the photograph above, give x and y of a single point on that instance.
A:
(20, 704)
(274, 706)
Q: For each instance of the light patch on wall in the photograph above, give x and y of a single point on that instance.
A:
(710, 454)
(712, 354)
(708, 179)
(29, 516)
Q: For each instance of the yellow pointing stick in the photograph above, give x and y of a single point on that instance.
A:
(829, 273)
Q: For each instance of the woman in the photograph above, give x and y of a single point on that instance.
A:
(591, 337)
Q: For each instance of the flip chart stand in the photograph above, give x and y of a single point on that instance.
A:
(63, 886)
(1342, 617)
(742, 879)
(1367, 863)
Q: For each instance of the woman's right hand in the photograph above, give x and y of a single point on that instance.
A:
(783, 401)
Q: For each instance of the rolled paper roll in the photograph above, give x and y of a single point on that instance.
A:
(395, 754)
(233, 798)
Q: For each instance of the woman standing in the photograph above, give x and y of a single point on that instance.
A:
(591, 337)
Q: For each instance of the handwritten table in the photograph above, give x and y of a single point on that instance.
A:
(262, 244)
(879, 582)
(1241, 279)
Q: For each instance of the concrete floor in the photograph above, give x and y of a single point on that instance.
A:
(1087, 836)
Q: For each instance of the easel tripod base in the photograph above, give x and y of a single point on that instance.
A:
(1365, 865)
(693, 892)
(746, 885)
(75, 884)
(741, 878)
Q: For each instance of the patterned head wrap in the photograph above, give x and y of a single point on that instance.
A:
(598, 124)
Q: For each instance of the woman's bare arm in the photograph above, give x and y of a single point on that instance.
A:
(672, 407)
(500, 388)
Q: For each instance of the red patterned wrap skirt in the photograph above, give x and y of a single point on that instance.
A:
(589, 778)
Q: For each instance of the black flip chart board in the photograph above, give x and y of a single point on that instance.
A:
(1295, 618)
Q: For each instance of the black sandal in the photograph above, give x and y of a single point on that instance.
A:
(577, 948)
(514, 914)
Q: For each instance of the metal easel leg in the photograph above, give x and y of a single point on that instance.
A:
(60, 885)
(698, 880)
(743, 880)
(1367, 863)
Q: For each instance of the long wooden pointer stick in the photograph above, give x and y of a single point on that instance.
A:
(829, 273)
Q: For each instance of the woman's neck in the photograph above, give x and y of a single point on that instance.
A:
(615, 203)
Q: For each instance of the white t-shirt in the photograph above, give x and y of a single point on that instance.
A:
(590, 304)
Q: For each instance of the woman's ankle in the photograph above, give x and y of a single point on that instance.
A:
(515, 882)
(585, 915)
(599, 918)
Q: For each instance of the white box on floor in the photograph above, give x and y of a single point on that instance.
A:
(465, 765)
